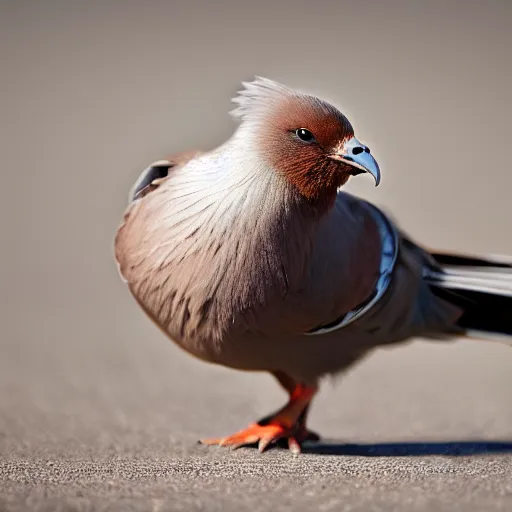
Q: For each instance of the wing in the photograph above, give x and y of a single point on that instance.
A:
(148, 181)
(389, 248)
(151, 177)
(402, 303)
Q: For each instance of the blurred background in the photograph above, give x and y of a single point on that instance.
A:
(92, 92)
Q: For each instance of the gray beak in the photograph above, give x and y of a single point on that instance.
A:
(358, 156)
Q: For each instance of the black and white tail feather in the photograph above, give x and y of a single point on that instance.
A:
(482, 287)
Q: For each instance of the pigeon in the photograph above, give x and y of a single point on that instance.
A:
(251, 256)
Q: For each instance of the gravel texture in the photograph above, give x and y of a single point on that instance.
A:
(119, 432)
(97, 410)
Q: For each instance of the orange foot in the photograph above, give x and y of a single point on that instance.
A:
(287, 425)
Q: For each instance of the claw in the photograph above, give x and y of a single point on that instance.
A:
(294, 446)
(264, 435)
(264, 443)
(287, 427)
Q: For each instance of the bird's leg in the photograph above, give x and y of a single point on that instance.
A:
(302, 434)
(286, 424)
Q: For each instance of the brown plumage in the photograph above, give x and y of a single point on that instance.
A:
(249, 256)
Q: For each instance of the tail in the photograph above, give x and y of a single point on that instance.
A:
(482, 287)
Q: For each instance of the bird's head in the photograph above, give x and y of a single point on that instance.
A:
(305, 139)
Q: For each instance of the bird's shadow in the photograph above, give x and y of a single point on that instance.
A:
(408, 449)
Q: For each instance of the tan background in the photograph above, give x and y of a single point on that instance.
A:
(94, 91)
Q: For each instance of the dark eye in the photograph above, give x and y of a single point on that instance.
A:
(304, 135)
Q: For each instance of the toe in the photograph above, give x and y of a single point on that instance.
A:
(263, 435)
(293, 445)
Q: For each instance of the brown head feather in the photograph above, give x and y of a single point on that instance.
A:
(275, 113)
(307, 165)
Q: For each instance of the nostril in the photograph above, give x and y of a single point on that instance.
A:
(367, 150)
(357, 150)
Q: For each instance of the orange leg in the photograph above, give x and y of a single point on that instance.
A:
(289, 423)
(303, 434)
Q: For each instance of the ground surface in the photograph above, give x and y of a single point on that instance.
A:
(425, 427)
(97, 410)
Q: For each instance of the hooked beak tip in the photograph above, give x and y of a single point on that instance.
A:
(358, 155)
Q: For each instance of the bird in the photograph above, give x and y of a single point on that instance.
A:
(251, 256)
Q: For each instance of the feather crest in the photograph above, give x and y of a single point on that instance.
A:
(258, 95)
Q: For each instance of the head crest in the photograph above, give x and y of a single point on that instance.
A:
(258, 95)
